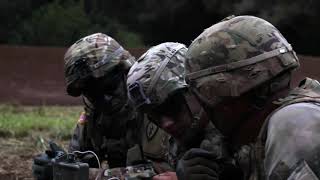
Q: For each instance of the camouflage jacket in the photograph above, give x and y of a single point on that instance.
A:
(212, 141)
(105, 131)
(110, 135)
(288, 146)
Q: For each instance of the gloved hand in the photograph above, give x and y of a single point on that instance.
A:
(89, 158)
(229, 170)
(198, 164)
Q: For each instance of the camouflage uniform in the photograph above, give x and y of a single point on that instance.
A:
(246, 56)
(156, 74)
(109, 125)
(295, 126)
(156, 78)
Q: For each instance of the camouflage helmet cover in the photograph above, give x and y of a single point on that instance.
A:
(157, 74)
(236, 55)
(94, 55)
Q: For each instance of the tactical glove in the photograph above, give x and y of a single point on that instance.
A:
(90, 159)
(198, 164)
(229, 170)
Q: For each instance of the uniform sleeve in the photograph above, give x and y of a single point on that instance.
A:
(293, 136)
(77, 136)
(79, 140)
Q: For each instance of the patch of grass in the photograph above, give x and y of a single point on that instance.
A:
(56, 122)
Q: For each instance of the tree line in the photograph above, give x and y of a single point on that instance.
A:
(139, 23)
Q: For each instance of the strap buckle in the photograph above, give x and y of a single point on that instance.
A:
(137, 95)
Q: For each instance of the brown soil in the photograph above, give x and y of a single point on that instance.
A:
(16, 157)
(34, 76)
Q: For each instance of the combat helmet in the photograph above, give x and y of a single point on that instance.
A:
(95, 55)
(237, 55)
(157, 74)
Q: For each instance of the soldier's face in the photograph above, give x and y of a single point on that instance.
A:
(173, 116)
(234, 116)
(75, 89)
(103, 86)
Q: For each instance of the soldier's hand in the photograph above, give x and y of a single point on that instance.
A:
(198, 164)
(90, 159)
(166, 176)
(229, 170)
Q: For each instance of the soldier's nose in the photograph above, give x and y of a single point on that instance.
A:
(166, 122)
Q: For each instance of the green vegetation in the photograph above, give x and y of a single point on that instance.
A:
(144, 23)
(61, 23)
(54, 122)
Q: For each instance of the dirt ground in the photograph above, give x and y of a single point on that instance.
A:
(34, 76)
(16, 157)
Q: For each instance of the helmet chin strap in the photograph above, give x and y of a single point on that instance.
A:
(195, 109)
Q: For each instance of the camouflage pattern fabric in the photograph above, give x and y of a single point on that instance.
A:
(142, 171)
(111, 135)
(96, 55)
(303, 172)
(154, 140)
(288, 143)
(213, 141)
(237, 54)
(109, 126)
(297, 119)
(103, 126)
(157, 73)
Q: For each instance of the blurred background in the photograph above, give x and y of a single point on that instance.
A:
(34, 35)
(142, 23)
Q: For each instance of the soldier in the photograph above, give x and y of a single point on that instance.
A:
(96, 68)
(157, 87)
(238, 69)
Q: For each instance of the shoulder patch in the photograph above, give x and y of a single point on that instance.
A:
(83, 118)
(151, 130)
